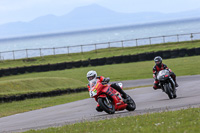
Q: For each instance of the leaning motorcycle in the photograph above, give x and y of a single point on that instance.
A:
(167, 83)
(109, 99)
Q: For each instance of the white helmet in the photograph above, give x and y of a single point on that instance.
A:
(91, 75)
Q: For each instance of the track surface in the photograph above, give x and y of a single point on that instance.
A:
(147, 100)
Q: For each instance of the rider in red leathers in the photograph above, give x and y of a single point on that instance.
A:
(92, 75)
(158, 67)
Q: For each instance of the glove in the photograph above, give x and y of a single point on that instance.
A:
(106, 80)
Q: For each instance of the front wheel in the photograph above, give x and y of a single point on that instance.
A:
(174, 96)
(106, 105)
(131, 104)
(168, 91)
(173, 89)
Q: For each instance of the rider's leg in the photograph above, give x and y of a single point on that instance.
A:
(156, 85)
(118, 88)
(174, 78)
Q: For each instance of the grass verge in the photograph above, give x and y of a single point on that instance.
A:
(37, 84)
(73, 78)
(7, 109)
(98, 54)
(182, 121)
(15, 107)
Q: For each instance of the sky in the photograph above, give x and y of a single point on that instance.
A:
(27, 10)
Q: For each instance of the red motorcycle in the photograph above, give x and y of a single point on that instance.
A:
(108, 98)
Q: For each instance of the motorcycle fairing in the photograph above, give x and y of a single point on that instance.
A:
(106, 91)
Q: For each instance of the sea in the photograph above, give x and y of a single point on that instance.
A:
(69, 42)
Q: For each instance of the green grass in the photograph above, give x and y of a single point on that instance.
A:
(182, 121)
(37, 84)
(98, 54)
(7, 109)
(73, 78)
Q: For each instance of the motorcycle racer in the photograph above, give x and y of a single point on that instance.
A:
(158, 67)
(92, 76)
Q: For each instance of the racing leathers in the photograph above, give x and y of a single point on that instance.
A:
(113, 85)
(158, 68)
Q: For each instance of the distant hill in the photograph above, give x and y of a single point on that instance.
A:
(87, 17)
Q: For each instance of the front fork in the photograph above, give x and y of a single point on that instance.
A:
(107, 100)
(173, 83)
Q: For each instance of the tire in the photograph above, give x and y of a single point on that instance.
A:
(131, 105)
(174, 96)
(107, 107)
(173, 90)
(168, 91)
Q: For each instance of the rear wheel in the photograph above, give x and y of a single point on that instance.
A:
(106, 105)
(131, 104)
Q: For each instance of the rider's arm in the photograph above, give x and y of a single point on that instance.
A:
(154, 72)
(102, 79)
(88, 87)
(165, 67)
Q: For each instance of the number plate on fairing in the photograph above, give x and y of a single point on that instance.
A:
(93, 90)
(93, 93)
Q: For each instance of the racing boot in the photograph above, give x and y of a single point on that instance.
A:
(98, 108)
(175, 81)
(176, 84)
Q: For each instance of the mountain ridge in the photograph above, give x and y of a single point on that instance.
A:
(87, 17)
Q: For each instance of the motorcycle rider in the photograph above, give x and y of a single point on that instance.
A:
(158, 67)
(92, 75)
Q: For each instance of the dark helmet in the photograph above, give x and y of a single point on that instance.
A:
(158, 60)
